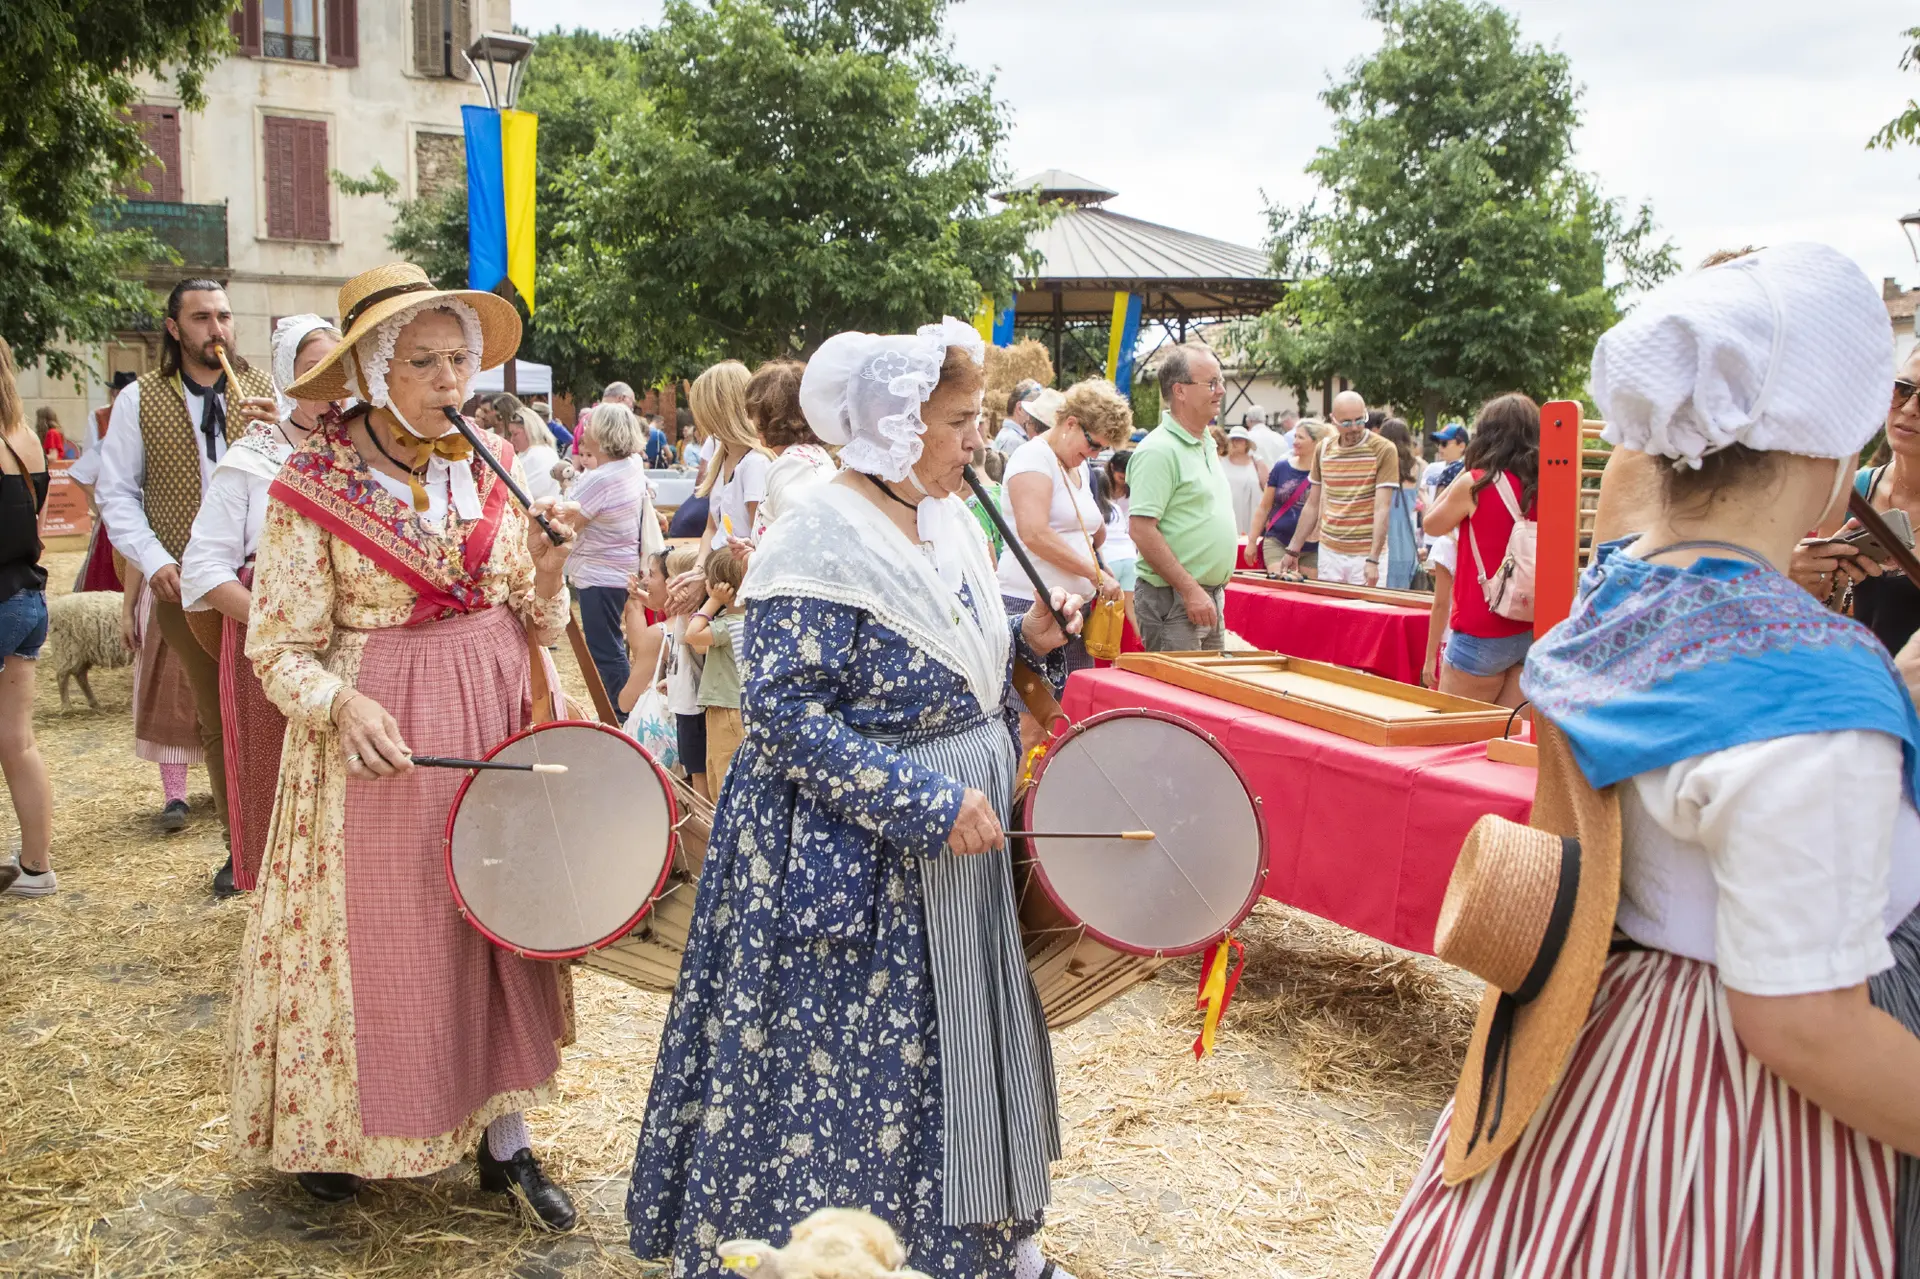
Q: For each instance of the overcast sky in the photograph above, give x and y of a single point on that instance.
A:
(1742, 121)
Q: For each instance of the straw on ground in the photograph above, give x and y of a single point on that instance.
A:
(1284, 1155)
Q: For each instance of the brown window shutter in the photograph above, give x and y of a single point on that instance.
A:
(426, 36)
(160, 130)
(343, 33)
(282, 212)
(310, 181)
(246, 27)
(462, 37)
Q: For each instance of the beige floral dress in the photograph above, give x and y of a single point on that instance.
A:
(374, 1032)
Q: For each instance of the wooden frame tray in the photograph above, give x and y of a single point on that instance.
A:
(1367, 708)
(1337, 590)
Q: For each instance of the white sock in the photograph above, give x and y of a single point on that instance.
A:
(1028, 1262)
(507, 1136)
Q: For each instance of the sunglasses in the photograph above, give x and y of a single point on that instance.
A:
(1902, 392)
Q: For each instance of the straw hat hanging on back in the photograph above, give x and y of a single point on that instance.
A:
(1530, 911)
(372, 297)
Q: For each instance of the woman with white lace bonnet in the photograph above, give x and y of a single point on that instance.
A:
(855, 1026)
(398, 600)
(216, 574)
(1737, 1091)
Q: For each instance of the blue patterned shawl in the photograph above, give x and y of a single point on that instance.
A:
(1659, 664)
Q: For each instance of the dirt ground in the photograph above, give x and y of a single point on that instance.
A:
(1283, 1155)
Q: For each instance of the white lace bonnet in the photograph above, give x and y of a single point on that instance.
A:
(1786, 349)
(863, 392)
(288, 334)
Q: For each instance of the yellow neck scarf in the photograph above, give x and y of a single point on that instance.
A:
(414, 453)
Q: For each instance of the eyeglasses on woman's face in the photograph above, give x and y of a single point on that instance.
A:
(1903, 391)
(424, 364)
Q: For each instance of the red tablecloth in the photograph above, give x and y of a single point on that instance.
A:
(1362, 835)
(1384, 639)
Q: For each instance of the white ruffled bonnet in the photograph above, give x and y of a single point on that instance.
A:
(1788, 349)
(288, 334)
(863, 392)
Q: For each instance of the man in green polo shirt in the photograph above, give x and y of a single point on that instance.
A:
(1182, 512)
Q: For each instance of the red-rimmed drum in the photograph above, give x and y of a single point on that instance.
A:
(649, 955)
(1101, 915)
(555, 865)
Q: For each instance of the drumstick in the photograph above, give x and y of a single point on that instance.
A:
(449, 761)
(1141, 835)
(1041, 590)
(493, 464)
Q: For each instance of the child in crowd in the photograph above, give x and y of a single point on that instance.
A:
(646, 591)
(681, 669)
(715, 632)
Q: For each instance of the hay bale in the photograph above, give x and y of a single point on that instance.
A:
(1008, 366)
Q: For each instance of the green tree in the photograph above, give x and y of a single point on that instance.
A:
(788, 169)
(1904, 127)
(65, 141)
(1460, 252)
(575, 82)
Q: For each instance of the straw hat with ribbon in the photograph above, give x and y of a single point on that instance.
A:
(1529, 910)
(373, 297)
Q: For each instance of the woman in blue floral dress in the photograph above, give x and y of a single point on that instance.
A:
(855, 1025)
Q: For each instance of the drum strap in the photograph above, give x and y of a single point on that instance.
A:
(1037, 695)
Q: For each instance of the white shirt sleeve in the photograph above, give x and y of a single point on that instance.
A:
(1799, 833)
(752, 476)
(121, 491)
(218, 544)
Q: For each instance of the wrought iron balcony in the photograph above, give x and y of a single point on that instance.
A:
(197, 232)
(278, 44)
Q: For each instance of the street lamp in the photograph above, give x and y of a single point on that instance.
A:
(1908, 225)
(500, 50)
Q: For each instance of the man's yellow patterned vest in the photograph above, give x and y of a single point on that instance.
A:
(172, 441)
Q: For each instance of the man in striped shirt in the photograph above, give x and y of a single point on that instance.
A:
(1344, 506)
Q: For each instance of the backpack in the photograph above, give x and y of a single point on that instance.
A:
(1509, 592)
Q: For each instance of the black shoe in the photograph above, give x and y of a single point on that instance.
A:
(223, 885)
(522, 1173)
(330, 1187)
(173, 818)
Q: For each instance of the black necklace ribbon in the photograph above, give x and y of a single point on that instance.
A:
(213, 410)
(886, 488)
(1499, 1052)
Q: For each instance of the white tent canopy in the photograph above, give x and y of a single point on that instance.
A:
(531, 379)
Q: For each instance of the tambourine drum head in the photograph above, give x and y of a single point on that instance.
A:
(1198, 877)
(554, 864)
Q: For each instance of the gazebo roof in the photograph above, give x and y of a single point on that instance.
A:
(1089, 253)
(1058, 184)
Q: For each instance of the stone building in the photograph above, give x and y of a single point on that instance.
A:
(242, 189)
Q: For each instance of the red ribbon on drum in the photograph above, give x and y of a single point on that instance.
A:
(1219, 978)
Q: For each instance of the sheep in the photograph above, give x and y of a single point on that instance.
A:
(833, 1243)
(83, 631)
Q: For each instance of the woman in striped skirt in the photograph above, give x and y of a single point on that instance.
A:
(855, 1026)
(1734, 1103)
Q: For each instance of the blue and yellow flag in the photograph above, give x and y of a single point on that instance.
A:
(1121, 339)
(501, 146)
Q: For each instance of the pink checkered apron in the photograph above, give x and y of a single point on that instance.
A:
(443, 1019)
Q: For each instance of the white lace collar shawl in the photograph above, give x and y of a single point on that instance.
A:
(259, 452)
(836, 546)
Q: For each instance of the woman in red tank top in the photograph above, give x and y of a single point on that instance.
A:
(1485, 651)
